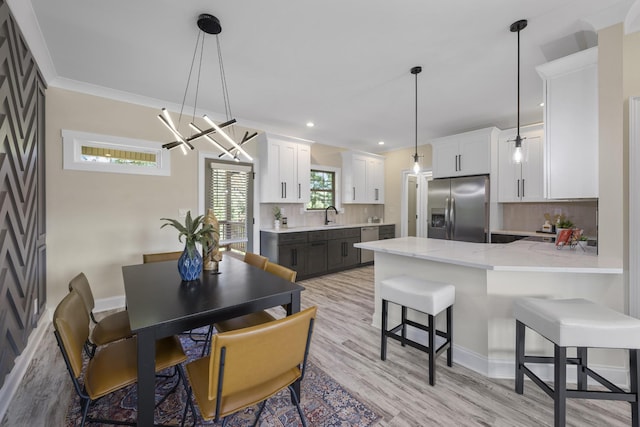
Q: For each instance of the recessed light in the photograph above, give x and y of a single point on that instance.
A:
(380, 142)
(310, 124)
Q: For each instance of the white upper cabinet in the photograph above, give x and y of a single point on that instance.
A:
(285, 168)
(524, 181)
(463, 154)
(362, 178)
(571, 125)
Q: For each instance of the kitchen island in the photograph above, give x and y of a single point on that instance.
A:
(488, 277)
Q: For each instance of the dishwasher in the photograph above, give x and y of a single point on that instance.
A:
(367, 234)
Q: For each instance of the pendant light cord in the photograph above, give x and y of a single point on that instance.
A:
(416, 129)
(518, 137)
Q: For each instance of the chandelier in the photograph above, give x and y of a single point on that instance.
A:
(214, 133)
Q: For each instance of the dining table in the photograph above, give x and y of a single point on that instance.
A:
(160, 304)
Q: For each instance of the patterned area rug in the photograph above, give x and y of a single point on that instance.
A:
(324, 402)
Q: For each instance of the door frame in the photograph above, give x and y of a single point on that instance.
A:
(423, 177)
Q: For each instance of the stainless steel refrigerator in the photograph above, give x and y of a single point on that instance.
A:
(459, 208)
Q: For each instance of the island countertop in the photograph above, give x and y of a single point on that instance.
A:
(518, 256)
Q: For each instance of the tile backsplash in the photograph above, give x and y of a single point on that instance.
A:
(530, 216)
(353, 214)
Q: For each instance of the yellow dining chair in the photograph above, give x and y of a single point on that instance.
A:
(113, 327)
(248, 366)
(259, 317)
(256, 260)
(113, 366)
(161, 256)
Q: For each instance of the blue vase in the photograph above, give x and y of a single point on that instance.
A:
(190, 268)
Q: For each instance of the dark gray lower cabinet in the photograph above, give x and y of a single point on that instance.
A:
(312, 253)
(340, 251)
(293, 256)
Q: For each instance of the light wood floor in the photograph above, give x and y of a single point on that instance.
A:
(347, 347)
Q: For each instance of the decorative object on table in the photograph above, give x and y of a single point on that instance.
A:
(194, 231)
(277, 214)
(211, 253)
(208, 24)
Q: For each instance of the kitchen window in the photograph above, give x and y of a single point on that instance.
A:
(323, 189)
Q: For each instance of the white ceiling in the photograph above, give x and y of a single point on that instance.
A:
(341, 64)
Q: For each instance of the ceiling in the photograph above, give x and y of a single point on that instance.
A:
(342, 64)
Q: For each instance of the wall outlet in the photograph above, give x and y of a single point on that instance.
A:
(35, 307)
(182, 213)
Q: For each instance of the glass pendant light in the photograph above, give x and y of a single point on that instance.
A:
(416, 158)
(517, 153)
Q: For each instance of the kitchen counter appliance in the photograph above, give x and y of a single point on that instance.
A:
(459, 208)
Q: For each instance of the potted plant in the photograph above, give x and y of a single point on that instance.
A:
(277, 214)
(194, 231)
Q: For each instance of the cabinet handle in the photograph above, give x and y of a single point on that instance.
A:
(354, 194)
(459, 162)
(282, 190)
(299, 190)
(376, 194)
(522, 187)
(518, 188)
(456, 163)
(285, 190)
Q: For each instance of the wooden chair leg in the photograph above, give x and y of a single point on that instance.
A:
(520, 334)
(383, 331)
(560, 386)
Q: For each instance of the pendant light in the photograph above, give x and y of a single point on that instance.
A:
(517, 27)
(208, 24)
(416, 163)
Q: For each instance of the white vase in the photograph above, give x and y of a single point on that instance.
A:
(276, 224)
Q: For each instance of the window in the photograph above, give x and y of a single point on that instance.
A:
(229, 198)
(323, 189)
(104, 153)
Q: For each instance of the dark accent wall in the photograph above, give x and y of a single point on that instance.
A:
(22, 192)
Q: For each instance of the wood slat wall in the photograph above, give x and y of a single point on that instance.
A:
(22, 192)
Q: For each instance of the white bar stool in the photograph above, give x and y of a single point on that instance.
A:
(582, 324)
(425, 296)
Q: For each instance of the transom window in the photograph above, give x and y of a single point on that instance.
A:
(106, 153)
(323, 189)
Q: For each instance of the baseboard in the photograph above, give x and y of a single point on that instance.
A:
(112, 303)
(13, 378)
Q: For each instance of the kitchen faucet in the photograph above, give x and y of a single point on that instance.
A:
(326, 211)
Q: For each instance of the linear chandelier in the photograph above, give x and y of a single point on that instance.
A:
(208, 24)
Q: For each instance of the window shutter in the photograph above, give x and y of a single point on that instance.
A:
(229, 196)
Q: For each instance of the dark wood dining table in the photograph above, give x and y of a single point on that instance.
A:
(161, 305)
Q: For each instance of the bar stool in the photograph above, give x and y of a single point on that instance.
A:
(582, 324)
(425, 296)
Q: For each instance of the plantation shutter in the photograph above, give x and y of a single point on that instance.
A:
(229, 199)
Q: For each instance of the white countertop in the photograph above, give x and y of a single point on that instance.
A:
(521, 256)
(322, 227)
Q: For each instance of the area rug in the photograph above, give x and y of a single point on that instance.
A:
(324, 402)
